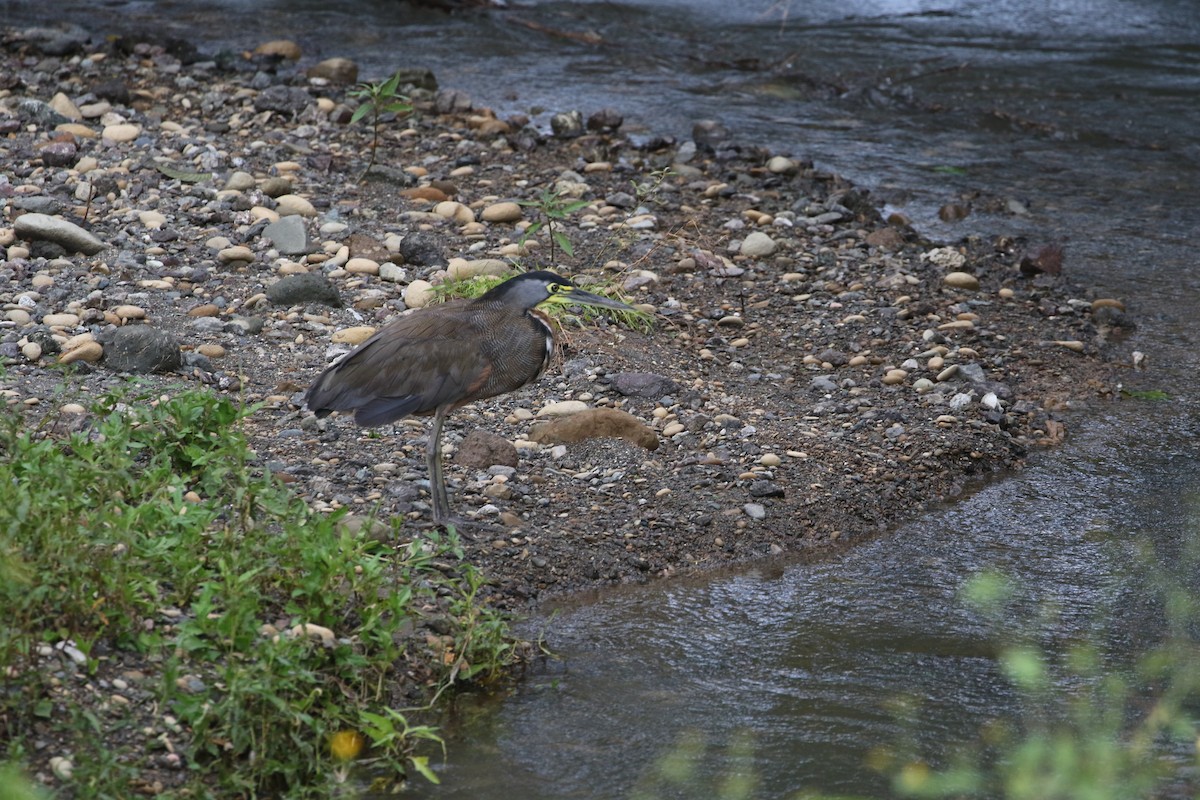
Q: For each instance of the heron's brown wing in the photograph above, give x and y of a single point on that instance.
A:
(414, 365)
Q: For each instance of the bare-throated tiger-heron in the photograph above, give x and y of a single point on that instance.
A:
(438, 358)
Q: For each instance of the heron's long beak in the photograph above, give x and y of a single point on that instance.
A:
(584, 298)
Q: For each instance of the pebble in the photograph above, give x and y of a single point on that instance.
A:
(121, 132)
(62, 768)
(58, 230)
(945, 257)
(770, 460)
(418, 294)
(61, 320)
(211, 350)
(31, 350)
(90, 352)
(128, 312)
(502, 212)
(238, 254)
(758, 245)
(461, 268)
(240, 182)
(294, 205)
(948, 373)
(781, 165)
(356, 335)
(452, 209)
(562, 408)
(895, 376)
(755, 511)
(961, 280)
(362, 266)
(152, 219)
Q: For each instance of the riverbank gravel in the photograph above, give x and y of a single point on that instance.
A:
(815, 373)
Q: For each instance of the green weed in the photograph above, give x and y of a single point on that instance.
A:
(552, 208)
(151, 536)
(378, 99)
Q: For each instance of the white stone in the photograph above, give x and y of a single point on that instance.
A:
(562, 408)
(418, 294)
(758, 245)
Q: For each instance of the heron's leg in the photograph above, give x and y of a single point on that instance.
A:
(433, 460)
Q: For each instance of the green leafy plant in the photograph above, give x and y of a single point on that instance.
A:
(552, 209)
(378, 99)
(1088, 726)
(151, 536)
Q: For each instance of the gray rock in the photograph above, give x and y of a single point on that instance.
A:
(972, 372)
(452, 101)
(823, 383)
(643, 384)
(141, 349)
(37, 204)
(755, 511)
(59, 154)
(55, 229)
(308, 287)
(393, 273)
(287, 99)
(40, 113)
(709, 135)
(606, 119)
(567, 124)
(423, 248)
(766, 489)
(289, 235)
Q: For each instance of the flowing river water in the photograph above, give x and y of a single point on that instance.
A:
(1075, 121)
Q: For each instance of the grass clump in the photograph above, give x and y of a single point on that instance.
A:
(563, 314)
(258, 647)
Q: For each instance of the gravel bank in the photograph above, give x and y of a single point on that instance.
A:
(815, 373)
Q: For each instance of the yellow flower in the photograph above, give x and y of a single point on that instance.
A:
(346, 745)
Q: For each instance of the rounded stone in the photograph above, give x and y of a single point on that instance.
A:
(758, 245)
(61, 320)
(18, 316)
(294, 205)
(130, 312)
(90, 352)
(507, 211)
(895, 376)
(562, 408)
(236, 254)
(781, 165)
(281, 48)
(961, 280)
(336, 70)
(240, 182)
(152, 219)
(211, 350)
(355, 335)
(121, 132)
(461, 268)
(770, 460)
(418, 294)
(452, 209)
(31, 350)
(362, 266)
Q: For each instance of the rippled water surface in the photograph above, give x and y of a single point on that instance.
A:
(1084, 112)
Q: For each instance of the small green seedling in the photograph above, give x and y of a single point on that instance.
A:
(552, 207)
(378, 99)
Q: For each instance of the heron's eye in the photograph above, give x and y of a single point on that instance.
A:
(555, 288)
